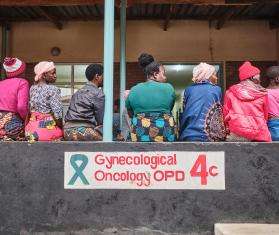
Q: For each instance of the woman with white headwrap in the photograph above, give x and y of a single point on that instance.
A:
(202, 119)
(45, 123)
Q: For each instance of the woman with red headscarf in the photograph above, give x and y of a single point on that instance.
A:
(46, 108)
(14, 92)
(246, 107)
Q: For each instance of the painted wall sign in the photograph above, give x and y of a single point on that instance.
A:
(144, 170)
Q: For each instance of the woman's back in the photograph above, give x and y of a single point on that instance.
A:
(151, 96)
(45, 98)
(14, 96)
(199, 96)
(202, 113)
(273, 102)
(151, 103)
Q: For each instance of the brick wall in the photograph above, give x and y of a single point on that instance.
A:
(134, 75)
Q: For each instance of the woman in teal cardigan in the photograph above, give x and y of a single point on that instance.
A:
(150, 104)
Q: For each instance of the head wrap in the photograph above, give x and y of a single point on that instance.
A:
(202, 72)
(43, 67)
(247, 70)
(13, 66)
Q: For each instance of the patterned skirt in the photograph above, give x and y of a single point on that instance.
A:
(82, 133)
(11, 126)
(153, 127)
(42, 127)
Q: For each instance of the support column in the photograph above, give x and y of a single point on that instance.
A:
(122, 59)
(3, 48)
(108, 69)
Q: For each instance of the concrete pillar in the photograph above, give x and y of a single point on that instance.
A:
(108, 68)
(122, 59)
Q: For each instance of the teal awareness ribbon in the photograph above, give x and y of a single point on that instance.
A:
(78, 169)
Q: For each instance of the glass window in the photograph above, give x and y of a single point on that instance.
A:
(64, 74)
(79, 73)
(79, 76)
(70, 78)
(63, 81)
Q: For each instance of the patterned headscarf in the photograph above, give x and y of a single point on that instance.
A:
(43, 67)
(13, 66)
(202, 72)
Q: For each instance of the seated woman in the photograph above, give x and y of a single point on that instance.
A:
(45, 123)
(150, 103)
(84, 118)
(245, 107)
(14, 99)
(202, 117)
(273, 102)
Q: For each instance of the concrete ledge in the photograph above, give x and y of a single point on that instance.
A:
(111, 231)
(246, 229)
(33, 198)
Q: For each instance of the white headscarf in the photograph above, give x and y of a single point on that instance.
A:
(202, 72)
(43, 67)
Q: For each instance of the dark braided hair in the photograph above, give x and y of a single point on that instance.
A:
(148, 64)
(92, 70)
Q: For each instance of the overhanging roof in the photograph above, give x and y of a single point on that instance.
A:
(130, 2)
(58, 11)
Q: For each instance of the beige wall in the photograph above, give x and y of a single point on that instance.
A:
(184, 41)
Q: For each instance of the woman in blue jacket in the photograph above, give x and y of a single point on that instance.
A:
(202, 118)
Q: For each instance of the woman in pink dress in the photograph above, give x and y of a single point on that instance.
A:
(14, 99)
(273, 102)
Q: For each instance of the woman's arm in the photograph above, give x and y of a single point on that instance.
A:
(23, 99)
(57, 107)
(129, 107)
(98, 104)
(226, 110)
(266, 109)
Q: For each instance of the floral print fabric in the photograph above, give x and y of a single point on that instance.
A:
(214, 124)
(11, 127)
(82, 134)
(45, 98)
(42, 127)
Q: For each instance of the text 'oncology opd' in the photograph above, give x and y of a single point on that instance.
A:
(144, 170)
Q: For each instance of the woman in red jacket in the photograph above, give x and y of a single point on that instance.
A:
(245, 107)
